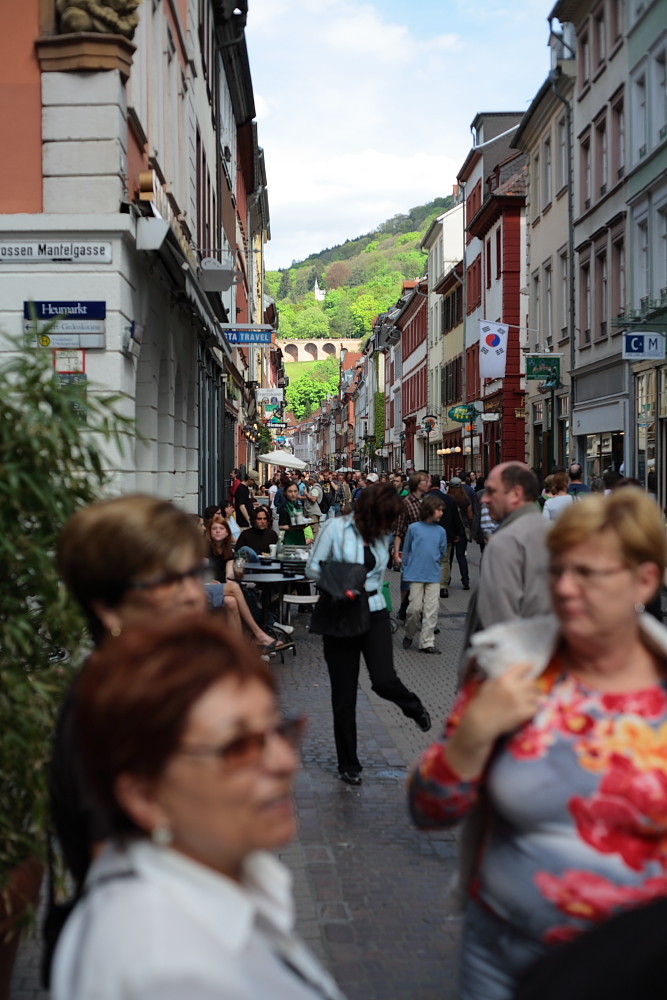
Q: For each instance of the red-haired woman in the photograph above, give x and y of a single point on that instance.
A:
(362, 538)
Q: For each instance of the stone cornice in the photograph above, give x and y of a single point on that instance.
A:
(85, 51)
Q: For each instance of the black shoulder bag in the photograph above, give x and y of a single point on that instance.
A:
(342, 610)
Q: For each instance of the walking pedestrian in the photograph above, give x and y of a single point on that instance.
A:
(513, 579)
(450, 522)
(311, 502)
(419, 484)
(464, 506)
(361, 538)
(560, 499)
(425, 547)
(557, 745)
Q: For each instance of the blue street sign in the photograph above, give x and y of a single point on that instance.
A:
(248, 336)
(68, 310)
(644, 346)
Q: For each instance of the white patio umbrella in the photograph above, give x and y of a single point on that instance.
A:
(282, 457)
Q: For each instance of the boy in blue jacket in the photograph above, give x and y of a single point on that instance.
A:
(423, 551)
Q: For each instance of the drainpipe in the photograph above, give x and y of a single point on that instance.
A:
(555, 77)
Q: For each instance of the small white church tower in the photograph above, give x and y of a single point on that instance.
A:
(320, 294)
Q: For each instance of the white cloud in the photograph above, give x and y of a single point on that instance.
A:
(364, 109)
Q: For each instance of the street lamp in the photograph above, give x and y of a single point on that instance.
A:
(401, 438)
(550, 385)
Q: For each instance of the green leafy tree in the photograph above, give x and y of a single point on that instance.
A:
(405, 238)
(364, 310)
(338, 309)
(285, 286)
(272, 281)
(311, 324)
(413, 263)
(306, 393)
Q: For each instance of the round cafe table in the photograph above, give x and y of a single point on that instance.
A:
(265, 581)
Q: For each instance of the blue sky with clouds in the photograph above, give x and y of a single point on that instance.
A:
(364, 109)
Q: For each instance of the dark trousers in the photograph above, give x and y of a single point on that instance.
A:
(460, 552)
(342, 657)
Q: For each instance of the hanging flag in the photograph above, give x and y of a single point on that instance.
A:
(492, 349)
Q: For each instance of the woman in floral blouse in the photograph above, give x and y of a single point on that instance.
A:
(562, 757)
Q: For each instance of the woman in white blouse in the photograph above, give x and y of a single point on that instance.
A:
(182, 737)
(561, 499)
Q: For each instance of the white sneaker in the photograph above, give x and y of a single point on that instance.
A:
(287, 629)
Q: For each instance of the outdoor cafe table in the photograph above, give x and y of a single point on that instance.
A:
(268, 580)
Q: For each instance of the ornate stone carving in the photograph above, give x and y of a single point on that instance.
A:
(116, 17)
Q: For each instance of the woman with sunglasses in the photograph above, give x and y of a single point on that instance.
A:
(186, 750)
(556, 751)
(131, 560)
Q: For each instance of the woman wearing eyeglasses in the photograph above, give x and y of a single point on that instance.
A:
(186, 749)
(557, 746)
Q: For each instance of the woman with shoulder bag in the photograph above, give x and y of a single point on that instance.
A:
(361, 539)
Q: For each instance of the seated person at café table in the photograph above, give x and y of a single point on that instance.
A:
(260, 536)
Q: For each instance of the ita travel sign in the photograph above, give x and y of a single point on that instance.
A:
(242, 337)
(644, 346)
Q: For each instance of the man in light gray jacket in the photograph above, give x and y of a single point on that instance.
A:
(513, 579)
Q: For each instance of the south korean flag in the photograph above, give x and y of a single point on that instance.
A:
(492, 349)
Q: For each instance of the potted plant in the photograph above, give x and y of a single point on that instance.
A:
(50, 463)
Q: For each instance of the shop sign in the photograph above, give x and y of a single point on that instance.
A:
(543, 366)
(462, 414)
(644, 346)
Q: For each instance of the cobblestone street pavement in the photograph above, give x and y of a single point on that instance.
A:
(371, 891)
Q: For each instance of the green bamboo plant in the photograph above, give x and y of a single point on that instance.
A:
(50, 464)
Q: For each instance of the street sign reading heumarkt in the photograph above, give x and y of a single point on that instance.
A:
(543, 366)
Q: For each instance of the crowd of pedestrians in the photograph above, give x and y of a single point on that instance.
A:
(172, 771)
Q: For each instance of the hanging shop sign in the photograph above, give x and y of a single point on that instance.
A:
(241, 334)
(462, 414)
(644, 346)
(543, 366)
(272, 396)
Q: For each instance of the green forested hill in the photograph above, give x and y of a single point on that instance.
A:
(361, 278)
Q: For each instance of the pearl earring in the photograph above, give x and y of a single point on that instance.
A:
(162, 836)
(115, 631)
(639, 607)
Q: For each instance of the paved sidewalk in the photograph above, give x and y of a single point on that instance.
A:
(371, 891)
